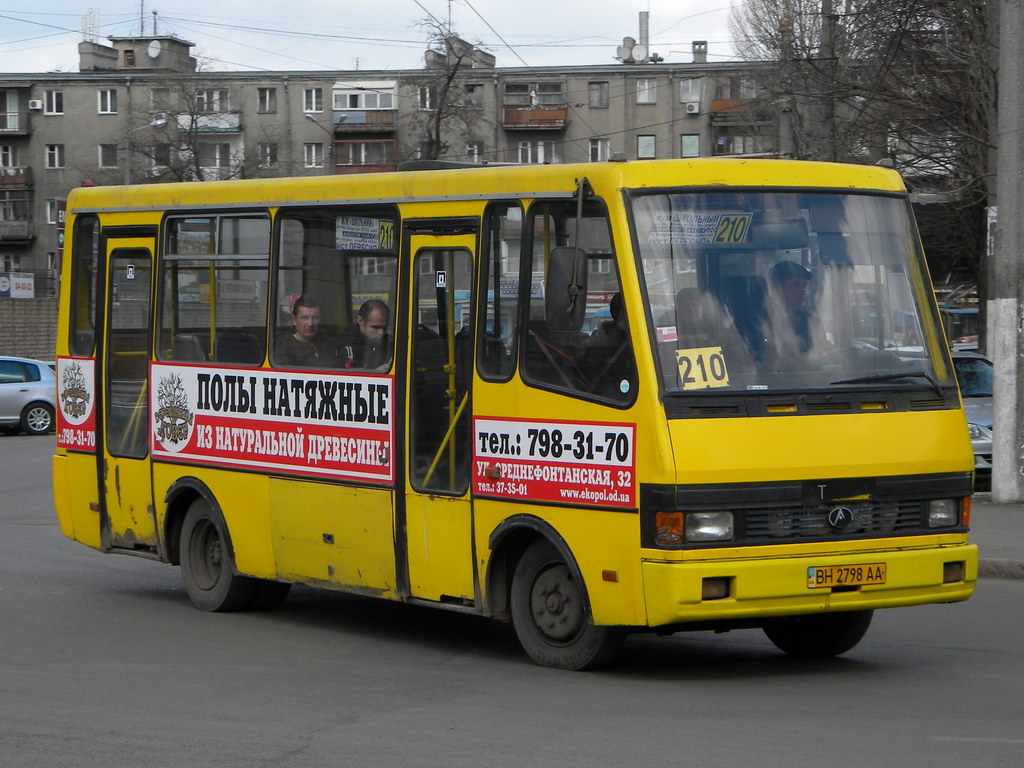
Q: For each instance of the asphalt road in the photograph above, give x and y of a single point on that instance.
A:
(104, 663)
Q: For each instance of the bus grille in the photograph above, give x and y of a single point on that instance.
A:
(869, 519)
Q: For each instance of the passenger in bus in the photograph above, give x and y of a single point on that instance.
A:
(367, 343)
(609, 354)
(310, 346)
(789, 282)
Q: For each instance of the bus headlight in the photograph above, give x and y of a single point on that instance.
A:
(943, 513)
(709, 526)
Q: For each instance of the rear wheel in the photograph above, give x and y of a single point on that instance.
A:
(550, 617)
(37, 419)
(819, 635)
(207, 565)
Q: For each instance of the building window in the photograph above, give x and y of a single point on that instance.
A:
(313, 155)
(268, 155)
(106, 100)
(370, 152)
(533, 94)
(8, 156)
(475, 95)
(313, 100)
(645, 147)
(52, 211)
(161, 156)
(426, 97)
(742, 145)
(646, 91)
(108, 155)
(598, 95)
(599, 150)
(160, 99)
(266, 99)
(689, 90)
(212, 101)
(537, 152)
(600, 266)
(54, 155)
(689, 145)
(214, 155)
(474, 151)
(54, 103)
(129, 58)
(360, 98)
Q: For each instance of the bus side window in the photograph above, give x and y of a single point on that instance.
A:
(597, 361)
(85, 258)
(503, 236)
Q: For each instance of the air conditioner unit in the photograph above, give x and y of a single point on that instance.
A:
(35, 104)
(692, 108)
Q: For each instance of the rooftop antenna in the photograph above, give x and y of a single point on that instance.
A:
(90, 25)
(142, 18)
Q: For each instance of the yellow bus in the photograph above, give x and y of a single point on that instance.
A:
(587, 399)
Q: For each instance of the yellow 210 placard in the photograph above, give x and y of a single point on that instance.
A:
(702, 368)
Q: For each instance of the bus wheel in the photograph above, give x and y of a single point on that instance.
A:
(550, 618)
(207, 567)
(818, 636)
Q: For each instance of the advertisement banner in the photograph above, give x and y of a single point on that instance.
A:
(76, 403)
(562, 462)
(300, 423)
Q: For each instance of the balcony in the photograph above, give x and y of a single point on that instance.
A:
(212, 122)
(13, 123)
(16, 177)
(365, 120)
(16, 231)
(535, 118)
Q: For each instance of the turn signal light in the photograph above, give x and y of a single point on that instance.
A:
(668, 529)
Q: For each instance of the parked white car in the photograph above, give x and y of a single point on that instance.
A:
(28, 396)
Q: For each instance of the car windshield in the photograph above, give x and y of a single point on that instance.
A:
(974, 374)
(767, 290)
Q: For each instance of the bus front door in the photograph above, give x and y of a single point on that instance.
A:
(438, 513)
(127, 518)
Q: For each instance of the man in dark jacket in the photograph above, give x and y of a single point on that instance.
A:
(309, 346)
(367, 344)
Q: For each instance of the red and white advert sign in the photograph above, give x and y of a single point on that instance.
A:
(76, 403)
(315, 425)
(561, 462)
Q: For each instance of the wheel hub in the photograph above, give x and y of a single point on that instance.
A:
(556, 605)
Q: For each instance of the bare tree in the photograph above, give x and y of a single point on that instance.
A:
(907, 82)
(448, 109)
(191, 132)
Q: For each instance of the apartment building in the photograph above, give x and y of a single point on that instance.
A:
(139, 111)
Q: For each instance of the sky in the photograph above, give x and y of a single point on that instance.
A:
(363, 34)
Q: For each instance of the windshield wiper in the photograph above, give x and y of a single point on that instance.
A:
(890, 376)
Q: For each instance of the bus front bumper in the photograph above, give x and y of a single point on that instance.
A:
(754, 588)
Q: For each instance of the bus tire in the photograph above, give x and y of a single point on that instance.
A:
(207, 564)
(549, 615)
(818, 636)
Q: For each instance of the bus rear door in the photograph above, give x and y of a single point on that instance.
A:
(438, 513)
(127, 519)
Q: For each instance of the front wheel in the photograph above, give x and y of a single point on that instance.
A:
(207, 565)
(818, 636)
(550, 617)
(37, 419)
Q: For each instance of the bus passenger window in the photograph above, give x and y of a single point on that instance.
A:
(214, 299)
(597, 361)
(500, 283)
(337, 276)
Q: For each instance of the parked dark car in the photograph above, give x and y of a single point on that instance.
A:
(27, 396)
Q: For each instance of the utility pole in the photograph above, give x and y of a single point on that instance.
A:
(1004, 310)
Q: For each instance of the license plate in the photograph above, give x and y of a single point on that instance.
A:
(828, 576)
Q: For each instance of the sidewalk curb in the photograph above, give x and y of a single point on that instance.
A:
(1000, 569)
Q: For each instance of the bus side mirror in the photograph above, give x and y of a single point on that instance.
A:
(565, 289)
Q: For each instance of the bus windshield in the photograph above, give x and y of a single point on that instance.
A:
(756, 290)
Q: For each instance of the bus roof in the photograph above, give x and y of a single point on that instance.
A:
(486, 182)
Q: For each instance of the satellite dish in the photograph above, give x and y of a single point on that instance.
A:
(640, 53)
(154, 49)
